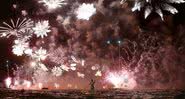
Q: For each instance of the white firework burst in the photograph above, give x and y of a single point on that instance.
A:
(41, 29)
(40, 54)
(85, 11)
(53, 4)
(157, 6)
(16, 28)
(19, 47)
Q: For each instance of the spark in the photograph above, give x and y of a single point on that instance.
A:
(43, 67)
(64, 67)
(123, 1)
(15, 28)
(85, 11)
(24, 12)
(83, 62)
(53, 4)
(73, 68)
(33, 64)
(41, 29)
(73, 65)
(74, 59)
(40, 85)
(56, 85)
(98, 73)
(8, 82)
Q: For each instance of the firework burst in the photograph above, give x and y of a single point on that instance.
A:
(57, 71)
(20, 47)
(16, 28)
(41, 29)
(157, 6)
(85, 11)
(121, 79)
(53, 4)
(40, 54)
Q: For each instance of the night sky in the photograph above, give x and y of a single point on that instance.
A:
(129, 24)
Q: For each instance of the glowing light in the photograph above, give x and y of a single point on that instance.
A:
(121, 79)
(56, 85)
(83, 62)
(73, 68)
(53, 4)
(85, 11)
(98, 73)
(40, 54)
(41, 29)
(74, 59)
(8, 82)
(40, 85)
(73, 65)
(33, 64)
(27, 83)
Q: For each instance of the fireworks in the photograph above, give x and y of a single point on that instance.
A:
(27, 84)
(57, 71)
(57, 55)
(121, 79)
(41, 29)
(40, 54)
(85, 11)
(53, 4)
(43, 67)
(16, 28)
(156, 5)
(86, 49)
(20, 47)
